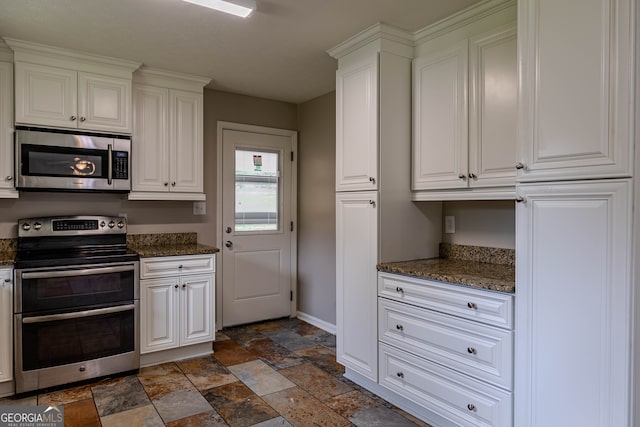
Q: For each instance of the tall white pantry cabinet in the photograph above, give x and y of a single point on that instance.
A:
(576, 294)
(375, 218)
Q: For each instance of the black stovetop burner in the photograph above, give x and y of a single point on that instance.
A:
(69, 241)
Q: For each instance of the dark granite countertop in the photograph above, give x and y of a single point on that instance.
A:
(495, 277)
(7, 258)
(147, 251)
(167, 244)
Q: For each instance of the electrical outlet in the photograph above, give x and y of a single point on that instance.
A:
(449, 224)
(199, 208)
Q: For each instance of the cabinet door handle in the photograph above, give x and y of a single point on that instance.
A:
(471, 407)
(372, 203)
(175, 286)
(471, 350)
(400, 327)
(173, 184)
(400, 375)
(399, 290)
(473, 176)
(462, 177)
(9, 178)
(372, 180)
(72, 118)
(520, 165)
(184, 286)
(521, 199)
(472, 305)
(83, 118)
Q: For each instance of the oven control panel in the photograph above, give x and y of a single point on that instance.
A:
(71, 226)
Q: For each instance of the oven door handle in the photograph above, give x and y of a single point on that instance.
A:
(73, 273)
(78, 314)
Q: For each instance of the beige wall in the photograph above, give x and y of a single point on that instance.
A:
(154, 217)
(316, 208)
(482, 223)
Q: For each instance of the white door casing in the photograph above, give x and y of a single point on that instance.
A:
(258, 269)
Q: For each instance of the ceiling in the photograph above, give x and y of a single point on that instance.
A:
(278, 53)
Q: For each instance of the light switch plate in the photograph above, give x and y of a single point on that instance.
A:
(199, 208)
(449, 224)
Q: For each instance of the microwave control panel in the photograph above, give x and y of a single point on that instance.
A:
(120, 165)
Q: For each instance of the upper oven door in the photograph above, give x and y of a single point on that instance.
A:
(48, 160)
(62, 289)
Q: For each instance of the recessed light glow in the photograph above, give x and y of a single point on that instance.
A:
(242, 8)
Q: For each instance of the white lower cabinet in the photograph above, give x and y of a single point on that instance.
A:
(6, 322)
(176, 300)
(447, 348)
(574, 317)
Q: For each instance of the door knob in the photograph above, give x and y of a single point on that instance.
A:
(228, 230)
(228, 243)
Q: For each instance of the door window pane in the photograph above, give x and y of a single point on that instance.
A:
(257, 190)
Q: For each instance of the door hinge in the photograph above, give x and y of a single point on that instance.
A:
(291, 228)
(292, 156)
(290, 295)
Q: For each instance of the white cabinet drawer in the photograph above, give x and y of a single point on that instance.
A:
(176, 265)
(493, 308)
(479, 350)
(462, 400)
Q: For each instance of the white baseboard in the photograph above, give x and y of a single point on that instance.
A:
(318, 323)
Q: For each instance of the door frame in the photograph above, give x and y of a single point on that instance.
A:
(222, 126)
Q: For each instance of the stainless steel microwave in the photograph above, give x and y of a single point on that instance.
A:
(65, 161)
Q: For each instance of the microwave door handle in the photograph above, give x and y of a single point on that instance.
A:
(110, 164)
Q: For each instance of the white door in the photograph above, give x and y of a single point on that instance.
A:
(258, 206)
(573, 311)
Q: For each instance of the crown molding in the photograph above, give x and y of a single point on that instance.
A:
(169, 79)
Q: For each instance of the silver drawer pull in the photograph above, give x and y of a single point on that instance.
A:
(471, 407)
(400, 327)
(399, 290)
(400, 375)
(472, 305)
(471, 350)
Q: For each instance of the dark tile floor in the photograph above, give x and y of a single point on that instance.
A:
(276, 373)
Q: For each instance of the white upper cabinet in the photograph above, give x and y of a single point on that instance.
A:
(167, 136)
(357, 125)
(576, 90)
(440, 113)
(465, 106)
(60, 88)
(6, 132)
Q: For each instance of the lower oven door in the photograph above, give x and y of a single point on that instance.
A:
(63, 348)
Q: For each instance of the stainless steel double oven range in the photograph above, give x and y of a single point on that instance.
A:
(76, 304)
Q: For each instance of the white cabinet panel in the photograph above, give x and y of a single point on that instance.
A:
(151, 143)
(356, 299)
(159, 314)
(104, 103)
(6, 324)
(573, 313)
(7, 178)
(46, 96)
(185, 132)
(441, 118)
(357, 125)
(576, 89)
(197, 325)
(493, 108)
